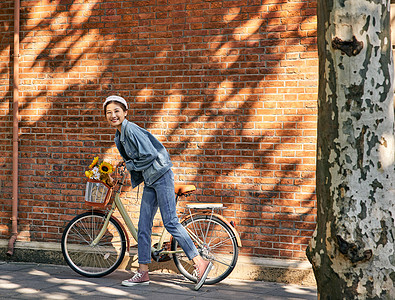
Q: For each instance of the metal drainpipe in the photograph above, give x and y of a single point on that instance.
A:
(15, 131)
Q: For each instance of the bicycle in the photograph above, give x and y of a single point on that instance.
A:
(94, 243)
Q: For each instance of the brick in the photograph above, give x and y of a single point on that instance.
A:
(230, 90)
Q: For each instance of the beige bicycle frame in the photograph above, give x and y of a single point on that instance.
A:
(117, 204)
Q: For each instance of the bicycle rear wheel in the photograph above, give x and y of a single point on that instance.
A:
(93, 260)
(215, 242)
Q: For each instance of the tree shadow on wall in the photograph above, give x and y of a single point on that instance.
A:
(247, 168)
(201, 101)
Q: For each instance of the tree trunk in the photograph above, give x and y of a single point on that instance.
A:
(353, 249)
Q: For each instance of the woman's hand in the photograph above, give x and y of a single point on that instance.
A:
(121, 164)
(110, 181)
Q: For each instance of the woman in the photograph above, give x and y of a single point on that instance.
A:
(148, 161)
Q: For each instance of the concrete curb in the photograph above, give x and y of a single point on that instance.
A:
(248, 268)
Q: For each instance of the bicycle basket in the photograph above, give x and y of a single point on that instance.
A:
(97, 193)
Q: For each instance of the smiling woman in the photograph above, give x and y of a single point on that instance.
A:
(148, 161)
(115, 114)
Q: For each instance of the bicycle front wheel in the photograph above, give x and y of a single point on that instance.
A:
(215, 242)
(93, 260)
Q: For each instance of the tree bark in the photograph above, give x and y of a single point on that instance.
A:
(353, 250)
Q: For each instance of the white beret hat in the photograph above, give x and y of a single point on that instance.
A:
(117, 99)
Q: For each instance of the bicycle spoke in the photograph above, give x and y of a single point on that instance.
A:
(77, 230)
(194, 237)
(82, 256)
(221, 261)
(220, 243)
(215, 241)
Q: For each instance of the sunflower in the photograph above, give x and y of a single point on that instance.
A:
(105, 168)
(94, 162)
(88, 174)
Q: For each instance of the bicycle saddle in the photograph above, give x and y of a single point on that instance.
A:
(183, 189)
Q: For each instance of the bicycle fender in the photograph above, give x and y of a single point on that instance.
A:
(125, 232)
(238, 240)
(123, 228)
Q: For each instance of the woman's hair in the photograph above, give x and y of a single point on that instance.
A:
(121, 105)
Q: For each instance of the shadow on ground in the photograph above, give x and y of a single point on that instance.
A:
(38, 281)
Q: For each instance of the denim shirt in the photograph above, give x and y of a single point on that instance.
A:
(145, 157)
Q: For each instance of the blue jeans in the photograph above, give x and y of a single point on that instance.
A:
(161, 194)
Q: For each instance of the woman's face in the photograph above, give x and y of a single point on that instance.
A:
(115, 115)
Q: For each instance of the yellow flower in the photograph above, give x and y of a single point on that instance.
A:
(105, 168)
(94, 162)
(88, 174)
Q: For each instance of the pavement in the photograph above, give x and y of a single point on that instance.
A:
(43, 281)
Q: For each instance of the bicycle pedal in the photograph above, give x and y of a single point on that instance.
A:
(160, 258)
(164, 258)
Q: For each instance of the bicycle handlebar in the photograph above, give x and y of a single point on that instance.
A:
(121, 169)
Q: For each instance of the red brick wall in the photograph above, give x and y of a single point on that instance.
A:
(228, 86)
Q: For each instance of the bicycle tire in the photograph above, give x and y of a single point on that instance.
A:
(88, 260)
(217, 244)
